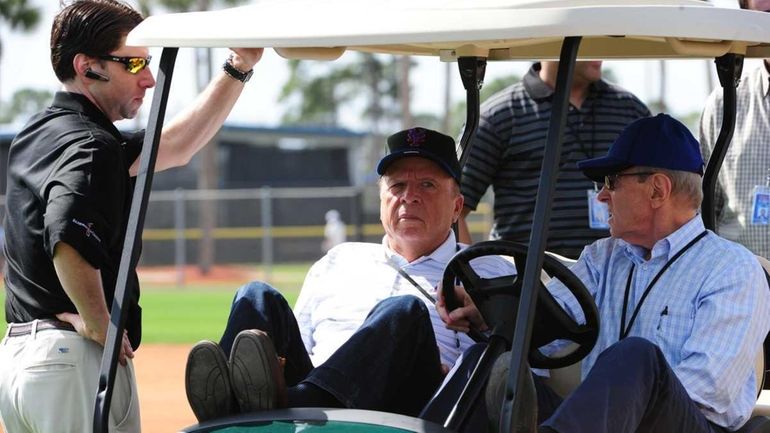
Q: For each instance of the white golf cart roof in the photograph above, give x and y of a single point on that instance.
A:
(495, 29)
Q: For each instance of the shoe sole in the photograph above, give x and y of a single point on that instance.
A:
(207, 382)
(255, 374)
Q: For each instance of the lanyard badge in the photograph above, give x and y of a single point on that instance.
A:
(760, 205)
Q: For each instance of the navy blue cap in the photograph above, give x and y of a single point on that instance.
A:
(425, 143)
(658, 142)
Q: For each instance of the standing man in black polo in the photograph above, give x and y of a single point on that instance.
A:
(508, 149)
(68, 197)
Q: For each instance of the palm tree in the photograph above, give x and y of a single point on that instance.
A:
(317, 98)
(184, 5)
(25, 102)
(19, 15)
(314, 97)
(458, 113)
(208, 156)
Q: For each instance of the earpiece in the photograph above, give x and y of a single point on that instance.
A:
(90, 73)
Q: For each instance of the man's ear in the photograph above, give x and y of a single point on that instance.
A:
(459, 201)
(80, 63)
(660, 189)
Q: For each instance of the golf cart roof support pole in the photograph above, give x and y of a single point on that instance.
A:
(537, 241)
(472, 71)
(130, 255)
(459, 414)
(729, 68)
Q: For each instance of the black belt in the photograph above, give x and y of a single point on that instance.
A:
(19, 329)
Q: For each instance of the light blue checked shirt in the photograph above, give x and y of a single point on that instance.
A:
(708, 313)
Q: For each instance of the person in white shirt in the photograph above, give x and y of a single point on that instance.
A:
(343, 345)
(334, 230)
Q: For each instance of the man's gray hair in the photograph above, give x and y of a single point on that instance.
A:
(684, 183)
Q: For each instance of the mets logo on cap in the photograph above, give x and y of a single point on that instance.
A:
(416, 137)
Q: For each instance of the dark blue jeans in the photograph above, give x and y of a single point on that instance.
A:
(631, 388)
(391, 363)
(258, 306)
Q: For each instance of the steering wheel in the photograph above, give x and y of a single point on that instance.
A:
(551, 321)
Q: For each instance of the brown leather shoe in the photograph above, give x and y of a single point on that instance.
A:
(207, 382)
(255, 372)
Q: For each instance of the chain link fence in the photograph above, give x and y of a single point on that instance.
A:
(263, 225)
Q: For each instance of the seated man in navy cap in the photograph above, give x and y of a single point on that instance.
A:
(683, 312)
(364, 333)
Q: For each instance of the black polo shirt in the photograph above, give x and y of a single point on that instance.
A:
(68, 182)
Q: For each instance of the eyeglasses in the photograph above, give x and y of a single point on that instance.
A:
(611, 180)
(134, 65)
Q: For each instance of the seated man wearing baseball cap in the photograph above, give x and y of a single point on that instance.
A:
(364, 333)
(683, 312)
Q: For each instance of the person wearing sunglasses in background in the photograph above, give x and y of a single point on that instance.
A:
(68, 197)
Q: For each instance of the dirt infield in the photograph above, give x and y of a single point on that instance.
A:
(220, 274)
(160, 367)
(160, 378)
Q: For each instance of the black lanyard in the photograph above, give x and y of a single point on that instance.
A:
(411, 280)
(623, 333)
(476, 336)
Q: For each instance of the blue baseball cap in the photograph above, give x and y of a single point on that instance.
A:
(659, 142)
(424, 143)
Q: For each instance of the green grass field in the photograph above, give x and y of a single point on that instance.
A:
(194, 312)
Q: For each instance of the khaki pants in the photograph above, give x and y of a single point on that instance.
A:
(48, 383)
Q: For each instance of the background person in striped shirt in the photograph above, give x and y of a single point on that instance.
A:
(508, 149)
(365, 332)
(743, 190)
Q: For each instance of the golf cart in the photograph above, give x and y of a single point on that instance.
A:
(470, 33)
